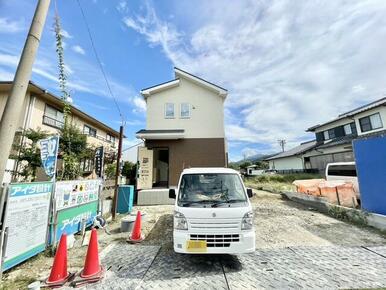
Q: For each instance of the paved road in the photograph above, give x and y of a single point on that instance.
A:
(297, 248)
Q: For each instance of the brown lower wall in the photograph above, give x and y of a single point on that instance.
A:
(185, 153)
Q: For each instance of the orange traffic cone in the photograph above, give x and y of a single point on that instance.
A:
(59, 274)
(136, 235)
(92, 269)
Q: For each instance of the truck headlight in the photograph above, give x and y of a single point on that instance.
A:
(180, 222)
(247, 221)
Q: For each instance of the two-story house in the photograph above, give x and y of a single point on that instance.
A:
(184, 128)
(334, 138)
(42, 109)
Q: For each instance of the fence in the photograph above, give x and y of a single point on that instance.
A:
(35, 215)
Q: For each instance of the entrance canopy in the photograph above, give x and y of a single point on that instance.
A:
(171, 134)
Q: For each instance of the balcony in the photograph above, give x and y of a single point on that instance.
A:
(52, 122)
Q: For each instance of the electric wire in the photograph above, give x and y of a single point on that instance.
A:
(99, 62)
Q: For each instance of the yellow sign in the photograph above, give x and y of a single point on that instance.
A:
(196, 246)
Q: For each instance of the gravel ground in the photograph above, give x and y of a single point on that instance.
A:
(279, 223)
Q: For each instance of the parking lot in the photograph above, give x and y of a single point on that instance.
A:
(296, 247)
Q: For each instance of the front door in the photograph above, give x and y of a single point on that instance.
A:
(145, 168)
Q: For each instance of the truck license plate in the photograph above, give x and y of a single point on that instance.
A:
(196, 246)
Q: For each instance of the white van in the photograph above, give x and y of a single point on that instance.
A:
(213, 214)
(345, 171)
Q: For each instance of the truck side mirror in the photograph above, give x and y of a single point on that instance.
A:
(249, 192)
(172, 193)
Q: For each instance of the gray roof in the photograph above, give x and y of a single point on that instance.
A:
(377, 103)
(348, 139)
(303, 147)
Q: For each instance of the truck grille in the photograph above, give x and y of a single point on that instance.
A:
(216, 241)
(222, 224)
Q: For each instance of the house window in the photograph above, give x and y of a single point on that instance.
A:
(185, 110)
(89, 131)
(371, 122)
(169, 110)
(347, 129)
(110, 138)
(331, 133)
(53, 117)
(326, 136)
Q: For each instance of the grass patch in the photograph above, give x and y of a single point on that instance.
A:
(277, 182)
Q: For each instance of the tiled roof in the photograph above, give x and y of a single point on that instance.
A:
(348, 139)
(295, 151)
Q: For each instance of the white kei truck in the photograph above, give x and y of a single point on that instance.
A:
(213, 214)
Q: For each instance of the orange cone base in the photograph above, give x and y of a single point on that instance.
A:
(59, 283)
(82, 280)
(97, 274)
(134, 241)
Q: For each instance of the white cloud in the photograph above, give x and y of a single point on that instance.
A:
(122, 6)
(65, 33)
(139, 103)
(10, 26)
(288, 65)
(78, 49)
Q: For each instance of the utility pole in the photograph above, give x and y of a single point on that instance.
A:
(14, 106)
(115, 198)
(282, 143)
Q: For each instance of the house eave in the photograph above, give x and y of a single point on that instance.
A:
(158, 88)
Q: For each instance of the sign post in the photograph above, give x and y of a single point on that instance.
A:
(99, 154)
(49, 155)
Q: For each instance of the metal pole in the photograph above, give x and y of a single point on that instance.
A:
(115, 199)
(14, 106)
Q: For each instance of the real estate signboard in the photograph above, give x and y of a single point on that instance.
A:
(76, 192)
(26, 219)
(76, 203)
(70, 220)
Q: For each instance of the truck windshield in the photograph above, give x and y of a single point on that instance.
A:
(211, 188)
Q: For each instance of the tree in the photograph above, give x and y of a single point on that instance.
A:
(245, 164)
(129, 170)
(28, 154)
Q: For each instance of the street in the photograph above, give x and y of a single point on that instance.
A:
(296, 247)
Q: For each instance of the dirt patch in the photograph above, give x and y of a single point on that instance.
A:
(282, 223)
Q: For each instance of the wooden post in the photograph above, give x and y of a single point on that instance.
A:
(115, 198)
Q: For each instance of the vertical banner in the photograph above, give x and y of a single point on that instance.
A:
(99, 154)
(49, 152)
(26, 219)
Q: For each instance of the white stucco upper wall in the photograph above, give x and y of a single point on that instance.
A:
(207, 110)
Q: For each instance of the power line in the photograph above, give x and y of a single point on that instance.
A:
(131, 147)
(99, 62)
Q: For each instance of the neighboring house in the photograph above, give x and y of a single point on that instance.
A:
(292, 160)
(334, 138)
(44, 110)
(184, 128)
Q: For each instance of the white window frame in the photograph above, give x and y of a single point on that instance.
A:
(189, 111)
(326, 134)
(174, 111)
(349, 131)
(87, 132)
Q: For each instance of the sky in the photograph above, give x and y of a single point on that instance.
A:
(287, 64)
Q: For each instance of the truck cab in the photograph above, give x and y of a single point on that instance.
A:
(213, 214)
